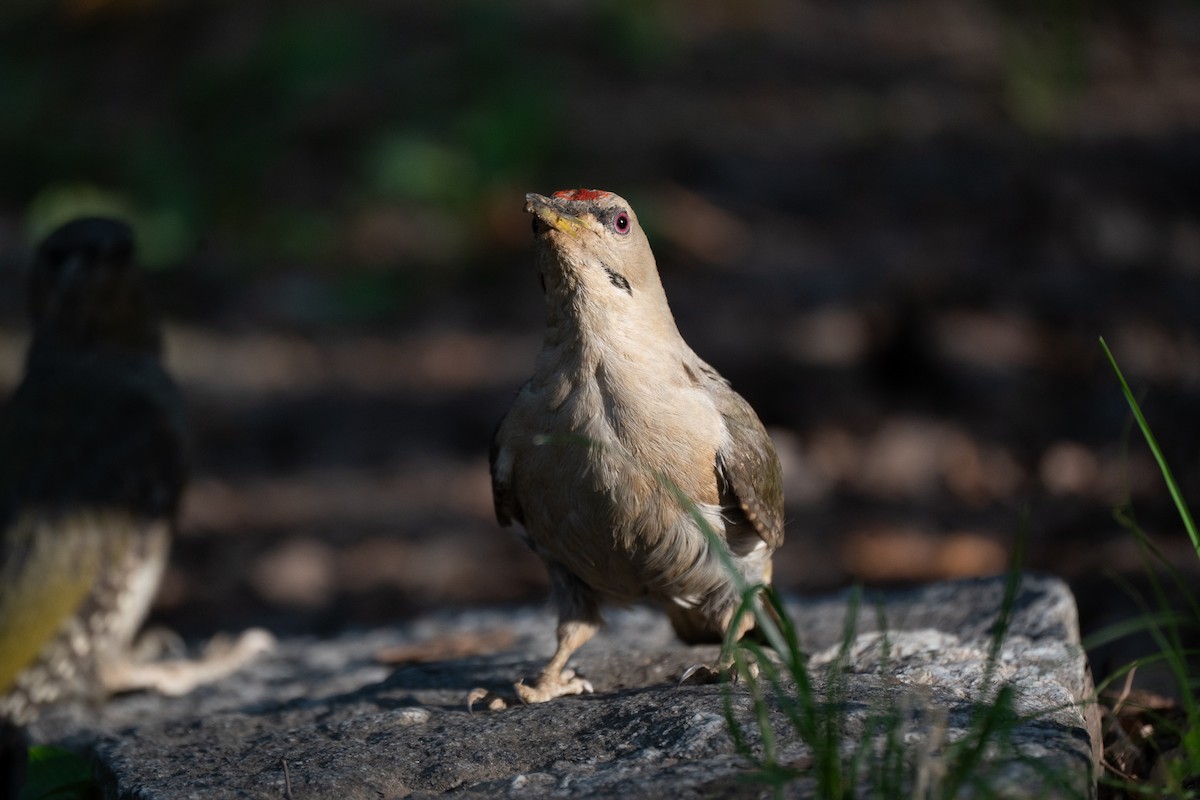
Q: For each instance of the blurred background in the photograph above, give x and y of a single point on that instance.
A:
(898, 228)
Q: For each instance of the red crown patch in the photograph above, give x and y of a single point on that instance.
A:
(581, 194)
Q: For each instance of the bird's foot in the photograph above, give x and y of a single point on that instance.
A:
(567, 683)
(491, 701)
(548, 688)
(699, 674)
(222, 657)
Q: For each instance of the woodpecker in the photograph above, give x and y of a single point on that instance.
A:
(625, 446)
(92, 466)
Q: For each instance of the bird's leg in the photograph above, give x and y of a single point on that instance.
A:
(221, 658)
(578, 620)
(556, 680)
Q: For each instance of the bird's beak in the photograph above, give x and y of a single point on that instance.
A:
(551, 213)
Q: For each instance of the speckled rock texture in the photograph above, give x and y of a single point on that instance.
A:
(383, 713)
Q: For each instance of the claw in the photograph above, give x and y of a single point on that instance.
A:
(496, 703)
(712, 673)
(700, 674)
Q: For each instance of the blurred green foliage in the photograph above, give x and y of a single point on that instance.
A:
(274, 125)
(57, 774)
(1045, 57)
(407, 166)
(283, 132)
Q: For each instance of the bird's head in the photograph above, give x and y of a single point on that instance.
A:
(85, 290)
(594, 258)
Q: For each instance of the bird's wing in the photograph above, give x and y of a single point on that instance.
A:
(48, 568)
(501, 466)
(747, 466)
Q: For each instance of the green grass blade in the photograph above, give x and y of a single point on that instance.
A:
(1172, 486)
(1128, 627)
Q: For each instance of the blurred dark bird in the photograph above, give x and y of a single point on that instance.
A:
(624, 446)
(92, 466)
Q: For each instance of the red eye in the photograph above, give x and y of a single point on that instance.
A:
(621, 222)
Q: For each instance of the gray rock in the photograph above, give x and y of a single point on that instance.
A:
(327, 719)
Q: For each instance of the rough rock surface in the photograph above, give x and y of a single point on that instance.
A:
(327, 719)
